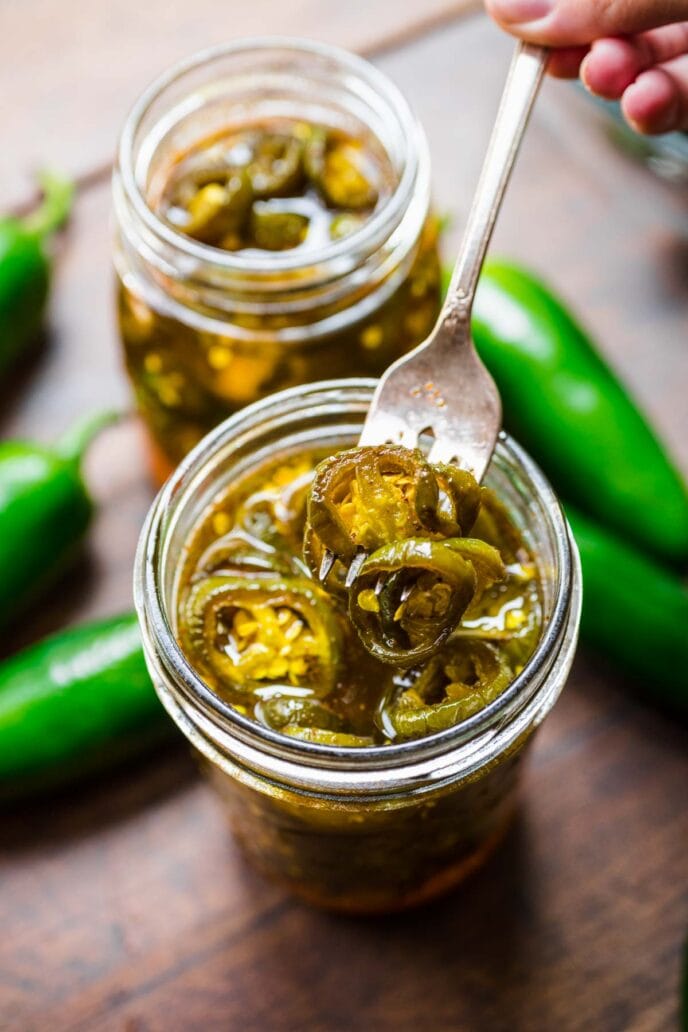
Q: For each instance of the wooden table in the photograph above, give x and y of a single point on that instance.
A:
(125, 905)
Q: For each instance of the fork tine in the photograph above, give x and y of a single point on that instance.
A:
(326, 565)
(443, 451)
(409, 438)
(355, 567)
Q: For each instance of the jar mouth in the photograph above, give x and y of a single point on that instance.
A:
(363, 81)
(186, 482)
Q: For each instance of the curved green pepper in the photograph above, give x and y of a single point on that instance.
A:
(456, 683)
(364, 498)
(275, 230)
(238, 552)
(634, 611)
(283, 713)
(276, 166)
(334, 167)
(25, 268)
(323, 737)
(276, 515)
(409, 596)
(219, 209)
(564, 404)
(74, 704)
(368, 497)
(271, 630)
(45, 511)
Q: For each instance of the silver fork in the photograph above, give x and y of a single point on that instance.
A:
(442, 388)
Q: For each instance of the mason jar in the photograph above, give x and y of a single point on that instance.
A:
(355, 829)
(206, 331)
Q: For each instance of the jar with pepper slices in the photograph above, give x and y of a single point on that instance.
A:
(329, 758)
(272, 228)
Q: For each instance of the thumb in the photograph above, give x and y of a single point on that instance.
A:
(563, 23)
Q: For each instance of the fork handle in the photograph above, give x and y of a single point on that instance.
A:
(522, 85)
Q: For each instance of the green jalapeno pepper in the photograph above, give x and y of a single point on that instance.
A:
(368, 497)
(564, 404)
(634, 611)
(364, 498)
(410, 595)
(75, 704)
(284, 713)
(277, 230)
(245, 633)
(238, 552)
(45, 510)
(334, 166)
(454, 684)
(320, 736)
(25, 268)
(219, 209)
(276, 167)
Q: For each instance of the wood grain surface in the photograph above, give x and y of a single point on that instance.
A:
(125, 905)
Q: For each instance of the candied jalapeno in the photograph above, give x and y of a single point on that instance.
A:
(343, 825)
(275, 186)
(460, 680)
(371, 647)
(269, 233)
(410, 595)
(365, 498)
(269, 630)
(406, 515)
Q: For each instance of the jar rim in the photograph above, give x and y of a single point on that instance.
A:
(364, 759)
(388, 215)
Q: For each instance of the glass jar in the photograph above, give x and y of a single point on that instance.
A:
(207, 331)
(363, 829)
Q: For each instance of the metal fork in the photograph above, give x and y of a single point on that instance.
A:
(442, 388)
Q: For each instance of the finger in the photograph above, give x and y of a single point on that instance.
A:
(657, 102)
(613, 64)
(566, 62)
(565, 23)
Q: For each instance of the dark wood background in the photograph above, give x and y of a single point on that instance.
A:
(126, 905)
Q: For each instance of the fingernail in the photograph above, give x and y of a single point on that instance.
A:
(520, 12)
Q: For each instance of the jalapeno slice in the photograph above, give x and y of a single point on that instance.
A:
(459, 501)
(456, 683)
(219, 209)
(276, 167)
(239, 553)
(274, 230)
(271, 630)
(410, 595)
(285, 714)
(323, 737)
(369, 497)
(335, 167)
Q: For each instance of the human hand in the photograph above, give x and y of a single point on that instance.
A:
(635, 51)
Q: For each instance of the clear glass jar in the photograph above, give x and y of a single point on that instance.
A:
(207, 331)
(363, 829)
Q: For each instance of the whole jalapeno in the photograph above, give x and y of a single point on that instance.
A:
(566, 406)
(45, 510)
(25, 267)
(635, 611)
(75, 704)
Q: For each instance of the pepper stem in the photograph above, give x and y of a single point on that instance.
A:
(72, 445)
(58, 194)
